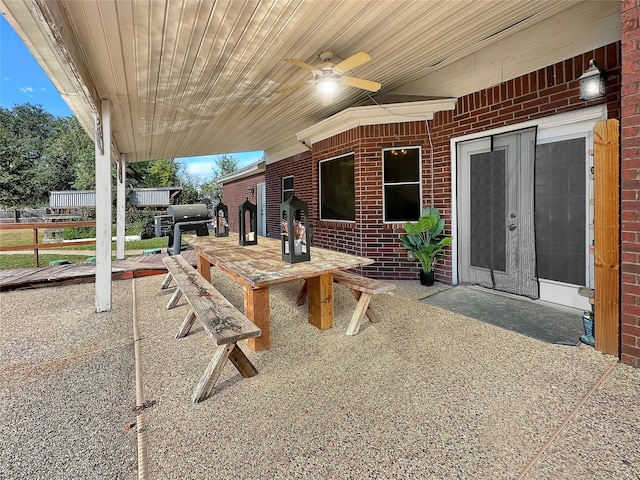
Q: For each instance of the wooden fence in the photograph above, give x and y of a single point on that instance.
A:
(43, 225)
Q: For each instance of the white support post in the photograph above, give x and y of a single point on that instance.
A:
(103, 208)
(121, 203)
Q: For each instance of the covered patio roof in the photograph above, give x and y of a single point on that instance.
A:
(163, 78)
(200, 77)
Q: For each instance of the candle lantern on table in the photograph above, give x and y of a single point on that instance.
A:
(294, 222)
(221, 223)
(248, 226)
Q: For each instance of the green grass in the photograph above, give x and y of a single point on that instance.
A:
(25, 237)
(22, 260)
(157, 242)
(19, 237)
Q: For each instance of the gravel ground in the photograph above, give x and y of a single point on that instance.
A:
(66, 385)
(423, 394)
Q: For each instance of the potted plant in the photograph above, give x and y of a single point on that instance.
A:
(422, 240)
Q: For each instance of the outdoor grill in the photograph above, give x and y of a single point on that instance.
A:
(187, 218)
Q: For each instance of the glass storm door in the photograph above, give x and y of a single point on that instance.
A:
(496, 241)
(261, 206)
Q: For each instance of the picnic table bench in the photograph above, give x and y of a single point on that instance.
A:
(220, 319)
(363, 289)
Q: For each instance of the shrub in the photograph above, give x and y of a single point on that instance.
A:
(78, 232)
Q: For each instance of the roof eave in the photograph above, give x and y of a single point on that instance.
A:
(374, 115)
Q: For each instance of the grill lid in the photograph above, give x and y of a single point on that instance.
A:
(189, 213)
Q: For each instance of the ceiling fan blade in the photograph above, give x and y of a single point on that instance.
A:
(327, 100)
(352, 62)
(361, 83)
(301, 64)
(295, 86)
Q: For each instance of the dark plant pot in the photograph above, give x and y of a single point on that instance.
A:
(427, 278)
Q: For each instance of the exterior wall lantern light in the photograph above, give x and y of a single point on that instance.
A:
(248, 229)
(593, 82)
(294, 223)
(221, 223)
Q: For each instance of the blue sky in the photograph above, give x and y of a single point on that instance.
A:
(22, 80)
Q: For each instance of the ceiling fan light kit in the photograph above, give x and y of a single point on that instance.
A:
(328, 76)
(327, 85)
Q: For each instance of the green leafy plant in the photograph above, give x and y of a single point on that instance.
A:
(72, 233)
(422, 238)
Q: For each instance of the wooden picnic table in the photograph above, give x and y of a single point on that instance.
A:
(257, 267)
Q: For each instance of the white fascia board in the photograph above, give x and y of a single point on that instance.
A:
(248, 171)
(374, 115)
(283, 150)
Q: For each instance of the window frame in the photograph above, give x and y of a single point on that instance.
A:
(338, 157)
(384, 184)
(283, 190)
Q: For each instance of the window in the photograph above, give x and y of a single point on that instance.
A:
(287, 188)
(401, 184)
(337, 189)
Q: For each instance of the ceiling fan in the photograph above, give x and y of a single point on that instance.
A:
(327, 76)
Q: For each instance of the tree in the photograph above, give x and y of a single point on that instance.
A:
(69, 158)
(24, 132)
(154, 173)
(225, 164)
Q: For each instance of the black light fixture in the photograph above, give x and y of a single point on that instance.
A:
(593, 82)
(221, 223)
(294, 222)
(248, 229)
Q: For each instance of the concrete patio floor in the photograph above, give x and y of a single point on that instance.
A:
(424, 394)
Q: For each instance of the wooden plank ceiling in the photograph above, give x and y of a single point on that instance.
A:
(196, 77)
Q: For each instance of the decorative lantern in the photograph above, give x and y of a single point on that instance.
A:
(593, 82)
(221, 223)
(294, 222)
(248, 228)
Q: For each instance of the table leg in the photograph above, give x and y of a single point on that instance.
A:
(204, 267)
(256, 308)
(320, 296)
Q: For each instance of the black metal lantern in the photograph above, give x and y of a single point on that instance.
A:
(294, 223)
(248, 228)
(593, 82)
(221, 221)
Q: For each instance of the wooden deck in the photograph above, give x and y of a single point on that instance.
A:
(142, 266)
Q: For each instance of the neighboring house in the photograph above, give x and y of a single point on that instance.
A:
(155, 196)
(248, 184)
(62, 201)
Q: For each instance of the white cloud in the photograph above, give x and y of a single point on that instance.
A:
(202, 168)
(26, 89)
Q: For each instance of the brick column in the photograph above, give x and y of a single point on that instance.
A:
(630, 175)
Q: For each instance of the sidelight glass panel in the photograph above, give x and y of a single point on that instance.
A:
(487, 208)
(560, 203)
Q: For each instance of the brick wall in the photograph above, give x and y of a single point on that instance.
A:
(235, 193)
(298, 166)
(548, 91)
(630, 175)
